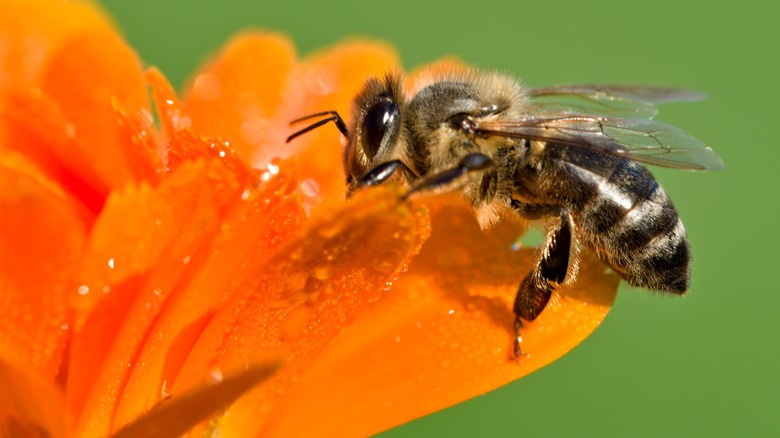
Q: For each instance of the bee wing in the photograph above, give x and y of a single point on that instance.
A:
(608, 100)
(644, 140)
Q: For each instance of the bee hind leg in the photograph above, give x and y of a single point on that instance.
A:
(550, 271)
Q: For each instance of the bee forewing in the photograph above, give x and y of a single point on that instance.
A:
(607, 100)
(644, 140)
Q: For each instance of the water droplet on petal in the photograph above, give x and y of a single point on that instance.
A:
(321, 80)
(184, 123)
(216, 375)
(144, 118)
(207, 86)
(321, 272)
(310, 188)
(83, 289)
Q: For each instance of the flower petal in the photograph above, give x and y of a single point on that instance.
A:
(72, 98)
(179, 414)
(236, 96)
(95, 79)
(30, 406)
(185, 146)
(144, 243)
(261, 222)
(43, 232)
(33, 32)
(32, 124)
(304, 296)
(443, 334)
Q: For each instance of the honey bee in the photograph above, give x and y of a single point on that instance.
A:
(571, 157)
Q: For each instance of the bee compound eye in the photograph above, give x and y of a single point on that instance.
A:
(375, 125)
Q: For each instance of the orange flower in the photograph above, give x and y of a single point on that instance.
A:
(155, 278)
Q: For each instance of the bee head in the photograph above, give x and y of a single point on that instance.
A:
(376, 127)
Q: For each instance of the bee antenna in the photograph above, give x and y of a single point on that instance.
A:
(332, 116)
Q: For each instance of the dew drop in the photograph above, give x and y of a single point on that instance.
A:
(297, 254)
(83, 289)
(321, 80)
(164, 393)
(321, 272)
(216, 375)
(144, 118)
(186, 259)
(70, 130)
(111, 263)
(310, 188)
(207, 86)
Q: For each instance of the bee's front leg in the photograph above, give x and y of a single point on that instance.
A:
(470, 163)
(549, 272)
(382, 173)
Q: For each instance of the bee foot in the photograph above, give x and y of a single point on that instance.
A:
(517, 352)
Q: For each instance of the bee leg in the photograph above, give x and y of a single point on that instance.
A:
(550, 271)
(380, 174)
(534, 211)
(383, 172)
(470, 163)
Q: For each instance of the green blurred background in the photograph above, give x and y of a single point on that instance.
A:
(707, 364)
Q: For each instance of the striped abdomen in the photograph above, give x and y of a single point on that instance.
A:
(621, 212)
